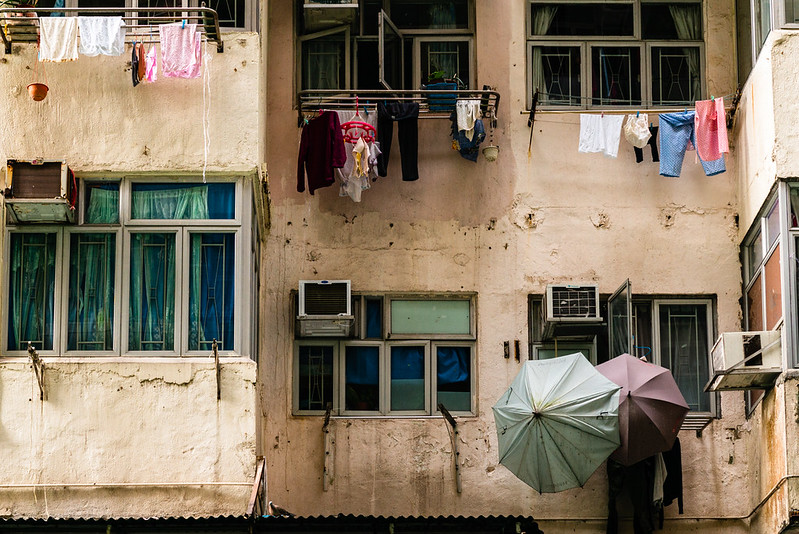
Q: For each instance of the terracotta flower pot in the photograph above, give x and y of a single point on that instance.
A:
(37, 91)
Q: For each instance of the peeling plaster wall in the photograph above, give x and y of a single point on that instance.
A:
(503, 230)
(153, 424)
(145, 433)
(784, 50)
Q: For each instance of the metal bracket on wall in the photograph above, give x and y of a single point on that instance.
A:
(451, 420)
(326, 432)
(38, 368)
(215, 348)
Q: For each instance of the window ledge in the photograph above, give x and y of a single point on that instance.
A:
(54, 360)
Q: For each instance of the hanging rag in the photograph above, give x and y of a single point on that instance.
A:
(101, 35)
(358, 180)
(639, 152)
(600, 133)
(151, 65)
(711, 129)
(321, 150)
(58, 39)
(374, 152)
(676, 132)
(347, 116)
(468, 148)
(181, 50)
(137, 63)
(636, 130)
(468, 112)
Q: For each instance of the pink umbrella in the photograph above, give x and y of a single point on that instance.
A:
(651, 407)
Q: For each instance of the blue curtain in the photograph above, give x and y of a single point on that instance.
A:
(152, 292)
(211, 283)
(407, 362)
(91, 291)
(374, 319)
(453, 364)
(31, 291)
(363, 365)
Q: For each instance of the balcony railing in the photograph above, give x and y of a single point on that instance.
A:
(436, 103)
(19, 24)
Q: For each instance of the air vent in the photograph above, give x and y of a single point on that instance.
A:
(572, 303)
(40, 192)
(746, 360)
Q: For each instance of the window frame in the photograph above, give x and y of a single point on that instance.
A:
(472, 335)
(586, 45)
(243, 302)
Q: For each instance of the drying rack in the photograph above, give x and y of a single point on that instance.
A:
(18, 24)
(433, 104)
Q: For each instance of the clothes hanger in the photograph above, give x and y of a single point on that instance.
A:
(351, 128)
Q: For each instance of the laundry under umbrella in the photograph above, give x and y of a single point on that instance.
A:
(557, 422)
(651, 407)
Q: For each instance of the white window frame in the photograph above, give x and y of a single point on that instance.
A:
(587, 348)
(243, 300)
(325, 33)
(336, 345)
(429, 297)
(434, 375)
(427, 385)
(417, 56)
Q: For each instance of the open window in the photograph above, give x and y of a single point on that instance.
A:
(392, 53)
(620, 322)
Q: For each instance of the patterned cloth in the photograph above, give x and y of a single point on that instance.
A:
(676, 131)
(181, 50)
(711, 129)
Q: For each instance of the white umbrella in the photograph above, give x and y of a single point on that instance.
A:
(557, 422)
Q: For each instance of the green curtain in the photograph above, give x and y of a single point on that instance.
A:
(103, 206)
(32, 291)
(152, 292)
(171, 203)
(91, 291)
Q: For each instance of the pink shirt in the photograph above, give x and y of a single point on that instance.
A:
(711, 129)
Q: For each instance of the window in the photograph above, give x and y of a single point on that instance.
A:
(620, 53)
(152, 269)
(407, 354)
(396, 44)
(675, 332)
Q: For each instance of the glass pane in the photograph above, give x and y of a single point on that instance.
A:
(391, 55)
(773, 289)
(763, 20)
(684, 350)
(445, 61)
(316, 377)
(616, 75)
(556, 73)
(754, 306)
(211, 286)
(791, 11)
(104, 3)
(152, 292)
(582, 19)
(374, 318)
(773, 223)
(184, 201)
(323, 65)
(454, 378)
(102, 203)
(362, 378)
(430, 317)
(92, 260)
(31, 291)
(619, 311)
(231, 12)
(430, 14)
(158, 13)
(642, 330)
(407, 377)
(676, 77)
(367, 58)
(671, 21)
(754, 254)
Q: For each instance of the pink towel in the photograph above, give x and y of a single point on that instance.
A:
(711, 129)
(181, 50)
(151, 65)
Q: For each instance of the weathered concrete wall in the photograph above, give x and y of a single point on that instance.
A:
(503, 230)
(129, 438)
(784, 50)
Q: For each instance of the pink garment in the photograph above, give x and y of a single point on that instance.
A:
(151, 65)
(711, 129)
(181, 50)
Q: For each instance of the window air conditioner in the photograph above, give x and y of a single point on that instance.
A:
(573, 304)
(325, 308)
(746, 360)
(324, 14)
(40, 192)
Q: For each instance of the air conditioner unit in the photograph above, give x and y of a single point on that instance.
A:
(573, 304)
(746, 360)
(324, 14)
(40, 191)
(325, 308)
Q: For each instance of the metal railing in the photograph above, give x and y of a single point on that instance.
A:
(433, 103)
(18, 24)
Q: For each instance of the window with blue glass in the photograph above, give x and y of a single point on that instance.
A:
(151, 269)
(406, 355)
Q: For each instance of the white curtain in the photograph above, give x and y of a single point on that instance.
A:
(687, 21)
(542, 19)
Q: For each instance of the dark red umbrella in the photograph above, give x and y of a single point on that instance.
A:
(651, 407)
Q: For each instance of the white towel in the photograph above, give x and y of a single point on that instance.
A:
(600, 133)
(467, 111)
(58, 38)
(101, 35)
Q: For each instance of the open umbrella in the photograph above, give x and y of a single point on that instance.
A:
(651, 407)
(557, 423)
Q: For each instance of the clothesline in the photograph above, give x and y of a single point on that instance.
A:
(614, 110)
